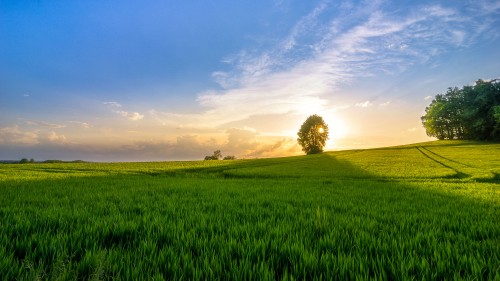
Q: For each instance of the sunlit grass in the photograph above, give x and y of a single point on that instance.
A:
(395, 213)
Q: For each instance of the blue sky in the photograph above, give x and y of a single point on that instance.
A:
(174, 80)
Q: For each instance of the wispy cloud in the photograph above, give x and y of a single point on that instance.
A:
(304, 70)
(306, 25)
(44, 124)
(385, 103)
(84, 125)
(112, 104)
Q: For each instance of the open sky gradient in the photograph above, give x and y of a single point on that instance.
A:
(176, 80)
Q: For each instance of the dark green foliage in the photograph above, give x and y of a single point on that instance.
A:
(216, 156)
(61, 161)
(469, 113)
(313, 134)
(427, 212)
(53, 161)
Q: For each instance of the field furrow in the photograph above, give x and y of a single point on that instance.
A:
(462, 170)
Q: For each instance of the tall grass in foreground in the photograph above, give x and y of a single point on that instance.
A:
(342, 215)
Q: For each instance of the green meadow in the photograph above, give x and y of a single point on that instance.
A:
(428, 211)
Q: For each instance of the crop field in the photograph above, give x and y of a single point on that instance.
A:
(425, 212)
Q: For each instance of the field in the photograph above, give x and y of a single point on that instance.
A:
(425, 212)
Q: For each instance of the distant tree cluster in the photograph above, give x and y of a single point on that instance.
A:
(469, 113)
(218, 156)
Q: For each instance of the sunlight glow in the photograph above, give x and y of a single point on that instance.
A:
(338, 127)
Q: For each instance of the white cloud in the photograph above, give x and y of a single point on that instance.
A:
(14, 135)
(428, 97)
(19, 136)
(134, 116)
(364, 104)
(385, 103)
(55, 138)
(115, 106)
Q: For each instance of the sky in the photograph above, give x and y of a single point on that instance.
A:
(175, 80)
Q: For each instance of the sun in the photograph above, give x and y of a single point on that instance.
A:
(339, 128)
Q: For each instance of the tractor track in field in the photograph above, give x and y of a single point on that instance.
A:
(445, 158)
(462, 170)
(432, 156)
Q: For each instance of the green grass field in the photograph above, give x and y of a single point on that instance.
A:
(425, 212)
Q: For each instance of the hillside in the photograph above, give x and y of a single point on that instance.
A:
(442, 160)
(423, 211)
(439, 160)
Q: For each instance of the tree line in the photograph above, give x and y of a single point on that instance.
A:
(218, 156)
(32, 161)
(468, 113)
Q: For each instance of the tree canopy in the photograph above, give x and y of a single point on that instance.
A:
(216, 156)
(313, 134)
(471, 113)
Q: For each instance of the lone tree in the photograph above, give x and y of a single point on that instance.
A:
(313, 134)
